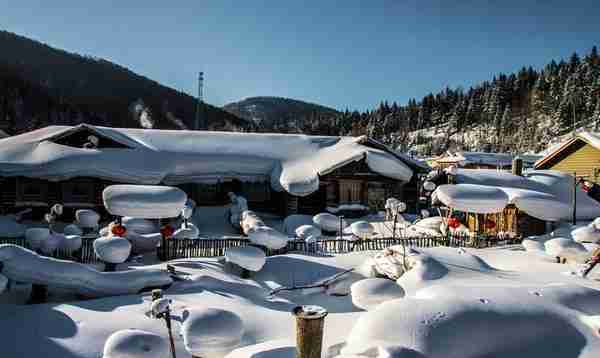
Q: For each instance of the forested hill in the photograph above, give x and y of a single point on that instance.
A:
(281, 114)
(515, 112)
(41, 85)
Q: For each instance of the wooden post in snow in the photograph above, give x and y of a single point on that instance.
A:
(309, 330)
(517, 166)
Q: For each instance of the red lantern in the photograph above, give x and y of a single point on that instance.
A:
(490, 224)
(167, 231)
(453, 223)
(118, 230)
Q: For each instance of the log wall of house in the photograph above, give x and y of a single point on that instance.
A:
(585, 161)
(510, 219)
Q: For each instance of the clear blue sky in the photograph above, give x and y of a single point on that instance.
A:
(338, 53)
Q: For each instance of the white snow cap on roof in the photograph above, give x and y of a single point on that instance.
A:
(144, 201)
(472, 198)
(290, 162)
(492, 159)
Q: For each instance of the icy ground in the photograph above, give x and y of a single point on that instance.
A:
(510, 298)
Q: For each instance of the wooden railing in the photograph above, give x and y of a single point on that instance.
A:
(84, 255)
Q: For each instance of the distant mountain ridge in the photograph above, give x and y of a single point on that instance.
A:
(278, 113)
(41, 85)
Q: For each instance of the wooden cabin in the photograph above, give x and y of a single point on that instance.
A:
(578, 155)
(481, 160)
(510, 220)
(101, 156)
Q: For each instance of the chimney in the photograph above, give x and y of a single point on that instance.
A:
(517, 166)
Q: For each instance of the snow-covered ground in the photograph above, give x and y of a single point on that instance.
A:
(449, 295)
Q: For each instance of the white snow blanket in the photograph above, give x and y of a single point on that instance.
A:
(279, 348)
(10, 228)
(211, 332)
(87, 218)
(566, 248)
(183, 156)
(144, 201)
(329, 222)
(362, 229)
(369, 293)
(112, 249)
(139, 225)
(472, 198)
(72, 229)
(588, 233)
(25, 265)
(308, 233)
(135, 343)
(248, 257)
(432, 223)
(268, 237)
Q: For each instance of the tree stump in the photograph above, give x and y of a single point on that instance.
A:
(309, 330)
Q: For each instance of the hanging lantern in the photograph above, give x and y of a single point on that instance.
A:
(118, 230)
(454, 223)
(167, 231)
(490, 224)
(586, 186)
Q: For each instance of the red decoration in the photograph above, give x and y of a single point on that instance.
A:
(490, 224)
(118, 230)
(586, 186)
(167, 231)
(453, 223)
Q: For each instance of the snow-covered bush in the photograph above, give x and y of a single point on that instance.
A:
(250, 220)
(87, 218)
(36, 236)
(329, 222)
(308, 233)
(268, 237)
(369, 293)
(72, 229)
(143, 243)
(186, 232)
(292, 222)
(71, 243)
(362, 229)
(135, 343)
(432, 223)
(211, 332)
(114, 250)
(247, 257)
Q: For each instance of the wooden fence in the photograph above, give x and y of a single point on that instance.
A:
(171, 249)
(84, 255)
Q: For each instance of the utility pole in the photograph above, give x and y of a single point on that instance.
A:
(200, 120)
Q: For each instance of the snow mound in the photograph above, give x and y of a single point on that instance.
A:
(144, 201)
(160, 306)
(135, 343)
(532, 244)
(432, 223)
(369, 293)
(538, 204)
(189, 232)
(209, 332)
(308, 233)
(436, 328)
(248, 257)
(71, 243)
(281, 348)
(292, 222)
(587, 233)
(472, 198)
(87, 218)
(250, 220)
(114, 249)
(52, 242)
(329, 222)
(25, 265)
(72, 229)
(564, 248)
(3, 283)
(143, 243)
(139, 225)
(10, 228)
(268, 237)
(362, 229)
(36, 236)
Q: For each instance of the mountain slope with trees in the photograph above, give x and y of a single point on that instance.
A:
(41, 85)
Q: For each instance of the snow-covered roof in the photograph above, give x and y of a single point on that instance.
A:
(544, 194)
(591, 138)
(290, 162)
(492, 159)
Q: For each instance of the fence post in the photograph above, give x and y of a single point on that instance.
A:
(309, 330)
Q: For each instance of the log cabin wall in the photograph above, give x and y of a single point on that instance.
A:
(510, 219)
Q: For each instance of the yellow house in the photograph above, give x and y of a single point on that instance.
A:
(580, 155)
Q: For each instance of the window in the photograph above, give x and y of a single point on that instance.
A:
(350, 192)
(31, 191)
(78, 191)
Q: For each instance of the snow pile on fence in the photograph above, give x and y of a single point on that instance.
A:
(72, 229)
(179, 157)
(268, 237)
(211, 332)
(250, 220)
(247, 257)
(362, 229)
(24, 265)
(139, 225)
(135, 343)
(293, 222)
(144, 201)
(186, 232)
(143, 243)
(112, 249)
(329, 222)
(87, 218)
(308, 233)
